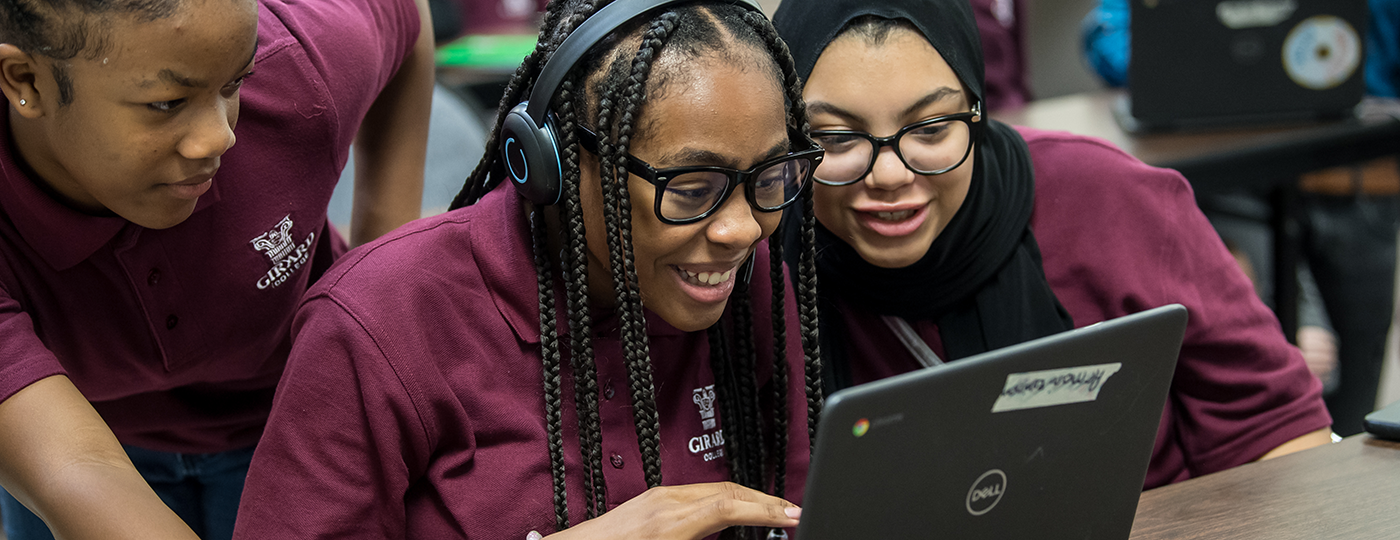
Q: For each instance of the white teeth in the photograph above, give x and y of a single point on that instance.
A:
(706, 278)
(894, 216)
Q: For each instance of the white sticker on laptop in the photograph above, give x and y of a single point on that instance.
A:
(1321, 52)
(1035, 389)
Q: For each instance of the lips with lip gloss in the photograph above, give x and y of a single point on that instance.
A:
(898, 223)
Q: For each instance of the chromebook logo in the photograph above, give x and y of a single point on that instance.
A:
(861, 427)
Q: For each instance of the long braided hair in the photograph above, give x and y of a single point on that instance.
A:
(614, 87)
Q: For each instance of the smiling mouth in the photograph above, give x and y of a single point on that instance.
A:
(895, 216)
(705, 279)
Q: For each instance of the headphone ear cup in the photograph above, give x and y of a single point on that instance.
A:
(531, 156)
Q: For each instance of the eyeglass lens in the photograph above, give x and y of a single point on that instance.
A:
(694, 193)
(930, 149)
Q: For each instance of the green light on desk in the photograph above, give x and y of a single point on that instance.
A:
(486, 50)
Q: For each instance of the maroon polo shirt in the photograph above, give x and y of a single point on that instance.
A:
(412, 403)
(178, 336)
(1118, 237)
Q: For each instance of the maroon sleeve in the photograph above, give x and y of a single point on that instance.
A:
(24, 359)
(356, 47)
(344, 441)
(1119, 236)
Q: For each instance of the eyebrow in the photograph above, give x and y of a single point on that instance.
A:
(942, 93)
(696, 157)
(170, 76)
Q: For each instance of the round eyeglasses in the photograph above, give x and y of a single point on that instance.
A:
(690, 194)
(933, 146)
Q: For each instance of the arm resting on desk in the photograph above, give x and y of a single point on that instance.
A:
(1310, 440)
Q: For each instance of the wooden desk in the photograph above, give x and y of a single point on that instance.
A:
(1262, 160)
(1348, 490)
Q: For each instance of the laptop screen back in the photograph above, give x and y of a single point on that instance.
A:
(1047, 439)
(1240, 62)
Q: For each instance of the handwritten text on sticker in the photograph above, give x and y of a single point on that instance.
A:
(1050, 387)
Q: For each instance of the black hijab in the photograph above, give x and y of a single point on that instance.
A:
(981, 280)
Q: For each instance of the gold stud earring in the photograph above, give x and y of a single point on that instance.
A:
(22, 102)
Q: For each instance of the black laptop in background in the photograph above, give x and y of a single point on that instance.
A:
(1046, 440)
(1231, 63)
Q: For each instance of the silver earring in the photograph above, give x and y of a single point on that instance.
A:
(22, 102)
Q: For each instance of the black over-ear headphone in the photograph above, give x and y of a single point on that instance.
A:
(529, 143)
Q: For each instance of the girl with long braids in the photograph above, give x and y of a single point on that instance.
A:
(601, 366)
(962, 235)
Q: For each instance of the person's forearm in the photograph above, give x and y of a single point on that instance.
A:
(392, 143)
(60, 460)
(101, 501)
(1309, 440)
(377, 211)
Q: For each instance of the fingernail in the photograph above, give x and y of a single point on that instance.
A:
(793, 512)
(534, 535)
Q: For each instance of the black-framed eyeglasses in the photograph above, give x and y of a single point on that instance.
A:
(933, 146)
(690, 194)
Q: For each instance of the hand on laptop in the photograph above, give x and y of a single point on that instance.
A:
(691, 511)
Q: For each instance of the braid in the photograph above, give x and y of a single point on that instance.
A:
(620, 242)
(575, 274)
(549, 351)
(780, 367)
(580, 320)
(739, 443)
(747, 391)
(806, 268)
(807, 313)
(724, 394)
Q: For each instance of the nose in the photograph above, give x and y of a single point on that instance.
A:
(889, 172)
(211, 132)
(734, 224)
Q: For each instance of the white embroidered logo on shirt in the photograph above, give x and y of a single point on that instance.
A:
(705, 399)
(286, 257)
(710, 444)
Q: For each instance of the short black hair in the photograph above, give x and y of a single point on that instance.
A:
(64, 29)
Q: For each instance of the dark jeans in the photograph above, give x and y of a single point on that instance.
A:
(1349, 246)
(203, 489)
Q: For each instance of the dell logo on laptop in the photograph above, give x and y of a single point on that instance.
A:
(986, 492)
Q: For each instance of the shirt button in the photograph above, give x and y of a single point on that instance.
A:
(171, 322)
(608, 391)
(617, 461)
(153, 278)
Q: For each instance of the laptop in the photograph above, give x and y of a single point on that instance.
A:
(1048, 439)
(1232, 63)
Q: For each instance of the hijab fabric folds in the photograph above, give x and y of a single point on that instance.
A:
(981, 280)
